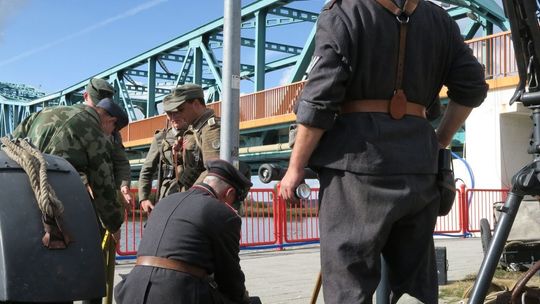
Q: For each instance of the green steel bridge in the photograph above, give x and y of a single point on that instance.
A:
(268, 52)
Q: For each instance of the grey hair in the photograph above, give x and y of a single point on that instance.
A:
(216, 183)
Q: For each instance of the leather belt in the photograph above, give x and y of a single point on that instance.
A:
(380, 106)
(171, 264)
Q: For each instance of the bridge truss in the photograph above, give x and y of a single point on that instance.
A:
(195, 57)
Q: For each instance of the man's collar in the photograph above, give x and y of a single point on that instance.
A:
(199, 122)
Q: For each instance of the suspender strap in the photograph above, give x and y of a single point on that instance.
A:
(398, 103)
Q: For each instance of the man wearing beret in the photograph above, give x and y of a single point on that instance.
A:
(201, 140)
(96, 90)
(79, 134)
(189, 250)
(164, 158)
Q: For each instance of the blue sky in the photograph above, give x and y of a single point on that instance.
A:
(56, 43)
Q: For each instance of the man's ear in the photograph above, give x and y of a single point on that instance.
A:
(86, 96)
(230, 195)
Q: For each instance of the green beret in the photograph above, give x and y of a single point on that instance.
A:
(181, 94)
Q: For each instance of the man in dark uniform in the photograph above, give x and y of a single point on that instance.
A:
(190, 236)
(377, 170)
(202, 139)
(164, 158)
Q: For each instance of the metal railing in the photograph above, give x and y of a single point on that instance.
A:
(496, 53)
(267, 221)
(479, 204)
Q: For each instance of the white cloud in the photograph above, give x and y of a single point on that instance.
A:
(131, 12)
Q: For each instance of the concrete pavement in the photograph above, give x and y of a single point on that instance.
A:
(289, 276)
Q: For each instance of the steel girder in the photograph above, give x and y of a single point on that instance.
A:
(144, 80)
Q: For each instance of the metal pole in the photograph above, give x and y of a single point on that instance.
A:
(230, 137)
(382, 294)
(151, 99)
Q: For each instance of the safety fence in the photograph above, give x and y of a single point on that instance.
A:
(268, 222)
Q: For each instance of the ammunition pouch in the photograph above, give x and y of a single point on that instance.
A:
(293, 129)
(446, 182)
(167, 171)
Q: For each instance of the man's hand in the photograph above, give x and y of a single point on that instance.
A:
(117, 236)
(291, 180)
(147, 206)
(307, 139)
(126, 193)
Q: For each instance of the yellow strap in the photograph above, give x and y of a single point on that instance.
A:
(105, 239)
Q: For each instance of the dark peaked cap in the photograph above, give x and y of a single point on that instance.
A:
(229, 174)
(115, 111)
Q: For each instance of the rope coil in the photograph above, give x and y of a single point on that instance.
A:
(32, 162)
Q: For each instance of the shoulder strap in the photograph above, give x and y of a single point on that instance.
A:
(161, 138)
(408, 8)
(398, 103)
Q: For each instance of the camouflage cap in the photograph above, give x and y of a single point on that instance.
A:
(115, 111)
(181, 94)
(99, 89)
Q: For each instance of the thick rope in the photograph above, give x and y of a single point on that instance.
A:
(32, 162)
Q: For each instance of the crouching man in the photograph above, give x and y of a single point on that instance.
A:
(189, 251)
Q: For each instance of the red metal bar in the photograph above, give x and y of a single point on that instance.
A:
(257, 218)
(480, 205)
(451, 223)
(265, 219)
(278, 215)
(464, 210)
(303, 220)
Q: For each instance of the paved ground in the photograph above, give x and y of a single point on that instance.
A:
(289, 276)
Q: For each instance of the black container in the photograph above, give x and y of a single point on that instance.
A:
(442, 265)
(29, 272)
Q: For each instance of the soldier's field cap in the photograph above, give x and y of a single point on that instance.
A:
(238, 179)
(181, 94)
(115, 111)
(99, 89)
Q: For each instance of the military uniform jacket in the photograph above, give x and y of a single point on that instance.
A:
(196, 228)
(75, 134)
(201, 143)
(121, 167)
(160, 160)
(355, 58)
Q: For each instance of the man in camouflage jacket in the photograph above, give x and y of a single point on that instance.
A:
(79, 134)
(96, 90)
(201, 140)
